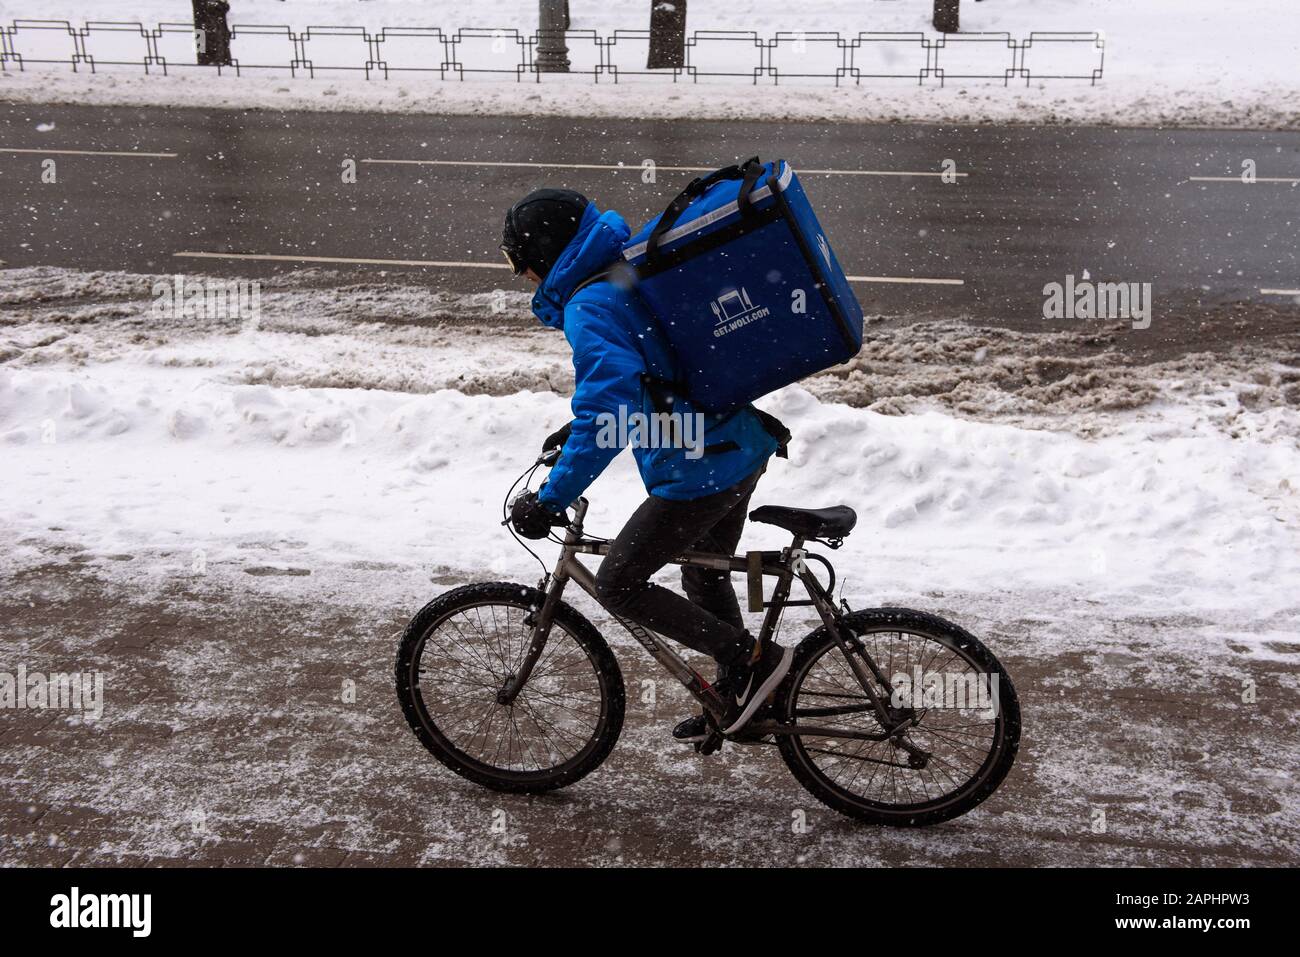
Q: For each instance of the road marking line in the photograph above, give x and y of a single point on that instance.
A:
(444, 264)
(1279, 292)
(905, 279)
(343, 259)
(89, 153)
(636, 168)
(1237, 179)
(875, 172)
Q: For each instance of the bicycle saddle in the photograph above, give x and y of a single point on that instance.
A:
(834, 522)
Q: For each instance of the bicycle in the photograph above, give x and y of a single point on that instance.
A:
(532, 699)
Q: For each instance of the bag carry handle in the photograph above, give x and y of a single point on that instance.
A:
(748, 173)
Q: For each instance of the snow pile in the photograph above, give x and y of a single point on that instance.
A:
(1065, 379)
(1167, 62)
(318, 329)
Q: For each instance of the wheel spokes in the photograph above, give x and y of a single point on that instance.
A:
(957, 741)
(467, 658)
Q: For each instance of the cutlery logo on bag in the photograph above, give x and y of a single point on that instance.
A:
(733, 309)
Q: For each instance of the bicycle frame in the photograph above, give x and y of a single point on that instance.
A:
(785, 566)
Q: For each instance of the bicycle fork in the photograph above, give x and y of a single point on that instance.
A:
(540, 619)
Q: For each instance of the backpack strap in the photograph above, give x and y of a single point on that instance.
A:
(775, 428)
(603, 276)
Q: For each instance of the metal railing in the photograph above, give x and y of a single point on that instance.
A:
(469, 52)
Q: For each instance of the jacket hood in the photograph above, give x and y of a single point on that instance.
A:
(597, 244)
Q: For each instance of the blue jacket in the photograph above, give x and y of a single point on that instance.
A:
(615, 340)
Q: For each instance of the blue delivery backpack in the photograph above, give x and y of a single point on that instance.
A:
(743, 281)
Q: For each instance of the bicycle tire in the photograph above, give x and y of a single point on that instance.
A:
(507, 594)
(916, 814)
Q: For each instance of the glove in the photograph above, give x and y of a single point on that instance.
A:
(531, 518)
(557, 438)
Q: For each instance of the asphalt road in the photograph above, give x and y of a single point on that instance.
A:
(1032, 204)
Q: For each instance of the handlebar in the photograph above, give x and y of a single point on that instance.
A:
(579, 505)
(549, 458)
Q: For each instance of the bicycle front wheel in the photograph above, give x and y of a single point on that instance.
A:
(459, 652)
(957, 715)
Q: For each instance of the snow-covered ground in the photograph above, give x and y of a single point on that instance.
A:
(1184, 62)
(382, 437)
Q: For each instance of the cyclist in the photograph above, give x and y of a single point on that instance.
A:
(698, 491)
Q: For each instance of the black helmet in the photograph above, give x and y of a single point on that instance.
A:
(539, 226)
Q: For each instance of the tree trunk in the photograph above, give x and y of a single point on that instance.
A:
(946, 15)
(211, 32)
(667, 34)
(552, 50)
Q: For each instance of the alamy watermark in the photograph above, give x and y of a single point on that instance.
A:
(217, 299)
(958, 691)
(59, 691)
(74, 909)
(655, 430)
(1085, 299)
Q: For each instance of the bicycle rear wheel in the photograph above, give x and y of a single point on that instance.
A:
(970, 749)
(460, 650)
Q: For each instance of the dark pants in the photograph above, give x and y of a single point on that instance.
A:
(660, 530)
